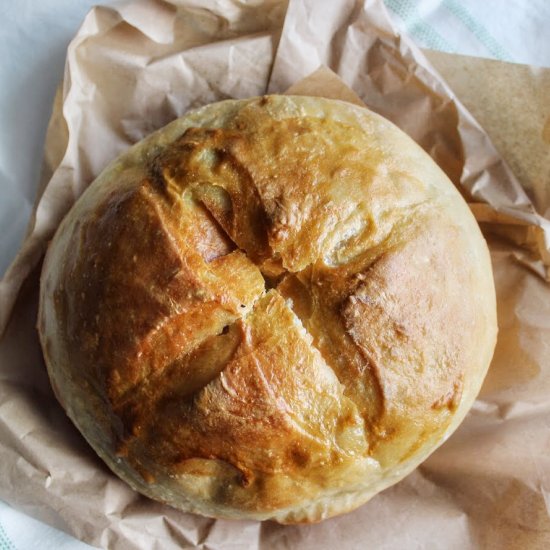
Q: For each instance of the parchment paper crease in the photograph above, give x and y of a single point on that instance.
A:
(133, 68)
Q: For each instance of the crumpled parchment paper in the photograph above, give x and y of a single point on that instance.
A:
(133, 68)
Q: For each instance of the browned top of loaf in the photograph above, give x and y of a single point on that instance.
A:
(277, 295)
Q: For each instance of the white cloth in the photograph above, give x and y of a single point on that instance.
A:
(508, 30)
(33, 39)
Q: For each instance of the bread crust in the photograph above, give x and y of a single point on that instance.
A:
(271, 308)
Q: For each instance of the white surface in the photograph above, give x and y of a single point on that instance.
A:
(33, 37)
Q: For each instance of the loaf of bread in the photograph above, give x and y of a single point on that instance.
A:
(271, 308)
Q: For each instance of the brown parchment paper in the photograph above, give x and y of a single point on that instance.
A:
(133, 68)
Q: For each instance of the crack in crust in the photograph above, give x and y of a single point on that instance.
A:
(208, 166)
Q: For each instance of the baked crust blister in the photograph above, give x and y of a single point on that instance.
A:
(271, 308)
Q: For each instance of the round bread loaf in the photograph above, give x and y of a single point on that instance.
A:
(271, 308)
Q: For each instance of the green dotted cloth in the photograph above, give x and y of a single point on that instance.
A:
(423, 32)
(5, 542)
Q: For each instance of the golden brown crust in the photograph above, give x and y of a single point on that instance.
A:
(272, 308)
